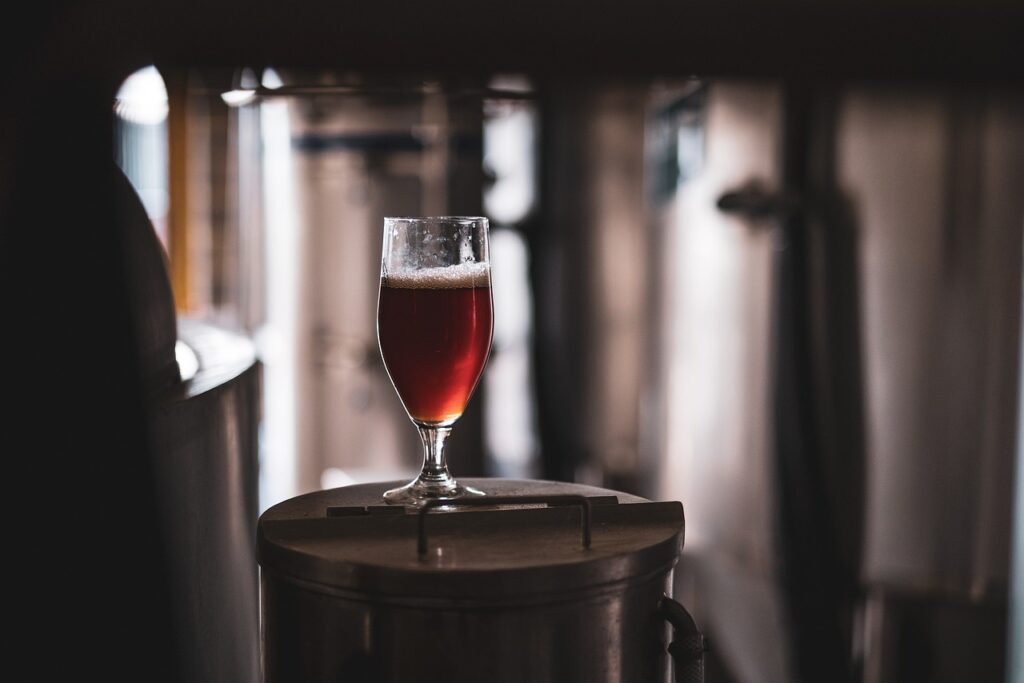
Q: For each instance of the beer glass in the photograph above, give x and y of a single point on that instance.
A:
(434, 328)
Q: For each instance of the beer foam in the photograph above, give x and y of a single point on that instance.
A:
(462, 276)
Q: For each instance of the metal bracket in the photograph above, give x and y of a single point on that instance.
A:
(485, 501)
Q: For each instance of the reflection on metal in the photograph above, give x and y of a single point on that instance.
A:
(204, 440)
(188, 361)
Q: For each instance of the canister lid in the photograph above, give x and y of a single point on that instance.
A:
(348, 540)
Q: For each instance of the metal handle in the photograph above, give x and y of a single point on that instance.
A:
(755, 202)
(421, 545)
(688, 643)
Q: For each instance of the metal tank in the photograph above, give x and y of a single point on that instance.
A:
(540, 582)
(842, 372)
(201, 387)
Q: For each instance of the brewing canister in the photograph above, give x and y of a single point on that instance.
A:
(539, 581)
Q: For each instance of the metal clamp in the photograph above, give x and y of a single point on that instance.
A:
(485, 501)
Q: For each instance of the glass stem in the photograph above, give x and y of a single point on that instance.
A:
(434, 466)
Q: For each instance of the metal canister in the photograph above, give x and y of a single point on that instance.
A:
(540, 582)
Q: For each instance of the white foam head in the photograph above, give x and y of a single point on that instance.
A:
(462, 276)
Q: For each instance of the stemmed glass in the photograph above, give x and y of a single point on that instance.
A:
(434, 326)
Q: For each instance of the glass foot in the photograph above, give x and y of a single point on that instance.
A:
(420, 490)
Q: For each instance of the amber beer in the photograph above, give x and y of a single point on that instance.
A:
(435, 327)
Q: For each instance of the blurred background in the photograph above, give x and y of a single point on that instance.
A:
(761, 258)
(795, 308)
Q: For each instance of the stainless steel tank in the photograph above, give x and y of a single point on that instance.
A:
(542, 582)
(842, 372)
